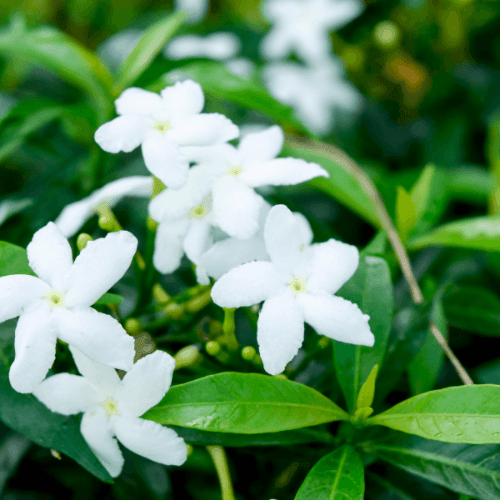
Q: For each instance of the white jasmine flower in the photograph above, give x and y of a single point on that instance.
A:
(297, 286)
(241, 66)
(236, 206)
(161, 124)
(303, 26)
(219, 46)
(57, 304)
(112, 408)
(8, 208)
(74, 216)
(315, 93)
(196, 9)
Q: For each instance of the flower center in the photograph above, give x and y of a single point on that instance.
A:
(110, 407)
(199, 211)
(297, 285)
(55, 299)
(162, 127)
(234, 170)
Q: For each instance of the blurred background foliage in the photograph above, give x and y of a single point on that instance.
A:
(429, 74)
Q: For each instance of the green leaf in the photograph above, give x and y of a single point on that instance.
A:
(339, 185)
(12, 450)
(424, 370)
(13, 260)
(406, 216)
(48, 47)
(474, 308)
(463, 468)
(244, 403)
(25, 414)
(284, 438)
(109, 298)
(337, 476)
(479, 233)
(467, 414)
(219, 83)
(371, 289)
(367, 391)
(148, 47)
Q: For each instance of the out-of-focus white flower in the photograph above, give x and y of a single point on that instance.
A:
(303, 26)
(8, 208)
(113, 407)
(115, 49)
(162, 124)
(297, 286)
(57, 304)
(219, 46)
(315, 93)
(236, 206)
(74, 216)
(241, 66)
(197, 9)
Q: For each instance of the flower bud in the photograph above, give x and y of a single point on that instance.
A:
(151, 224)
(106, 223)
(160, 295)
(248, 353)
(189, 449)
(82, 240)
(189, 356)
(133, 326)
(212, 347)
(198, 303)
(174, 311)
(324, 342)
(386, 35)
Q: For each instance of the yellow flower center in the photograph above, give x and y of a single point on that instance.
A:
(234, 170)
(162, 127)
(110, 407)
(55, 299)
(297, 285)
(199, 211)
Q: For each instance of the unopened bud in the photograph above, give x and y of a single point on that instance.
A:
(324, 342)
(174, 311)
(189, 449)
(160, 295)
(106, 223)
(212, 348)
(386, 35)
(189, 356)
(82, 240)
(353, 57)
(133, 326)
(198, 303)
(248, 353)
(151, 224)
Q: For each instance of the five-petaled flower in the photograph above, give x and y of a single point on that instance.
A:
(297, 286)
(163, 124)
(113, 407)
(57, 304)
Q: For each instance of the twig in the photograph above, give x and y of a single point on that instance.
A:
(219, 458)
(355, 171)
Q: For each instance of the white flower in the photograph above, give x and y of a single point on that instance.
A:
(217, 46)
(112, 408)
(57, 304)
(297, 286)
(314, 92)
(303, 26)
(196, 9)
(162, 124)
(74, 216)
(8, 208)
(236, 206)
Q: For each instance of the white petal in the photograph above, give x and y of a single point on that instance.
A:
(336, 318)
(100, 376)
(97, 335)
(332, 264)
(281, 172)
(124, 133)
(18, 292)
(35, 346)
(97, 432)
(197, 240)
(183, 99)
(151, 440)
(285, 240)
(164, 159)
(305, 228)
(232, 252)
(169, 248)
(146, 383)
(203, 130)
(248, 284)
(67, 394)
(262, 146)
(49, 255)
(280, 331)
(236, 207)
(222, 155)
(99, 266)
(74, 216)
(276, 44)
(135, 101)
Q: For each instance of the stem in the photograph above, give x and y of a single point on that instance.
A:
(355, 171)
(219, 458)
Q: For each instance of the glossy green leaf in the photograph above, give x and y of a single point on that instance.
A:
(468, 469)
(380, 488)
(337, 476)
(48, 47)
(475, 309)
(148, 47)
(109, 298)
(371, 289)
(367, 391)
(25, 414)
(244, 403)
(13, 260)
(467, 414)
(406, 216)
(479, 233)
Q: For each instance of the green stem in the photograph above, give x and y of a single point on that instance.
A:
(219, 458)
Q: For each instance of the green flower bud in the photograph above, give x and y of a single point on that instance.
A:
(386, 35)
(248, 353)
(189, 356)
(213, 348)
(82, 240)
(133, 326)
